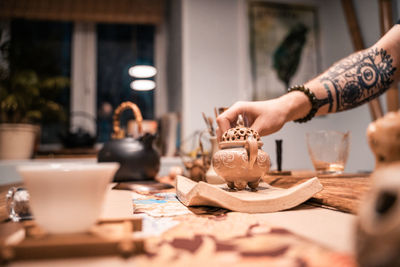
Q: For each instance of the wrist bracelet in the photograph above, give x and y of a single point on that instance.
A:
(311, 97)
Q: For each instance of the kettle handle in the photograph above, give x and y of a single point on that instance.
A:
(118, 132)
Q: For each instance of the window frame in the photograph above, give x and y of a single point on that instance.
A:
(84, 74)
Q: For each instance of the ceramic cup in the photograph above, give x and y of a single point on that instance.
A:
(67, 197)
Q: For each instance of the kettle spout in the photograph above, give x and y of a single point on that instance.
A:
(147, 139)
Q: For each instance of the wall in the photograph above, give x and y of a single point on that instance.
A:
(215, 71)
(211, 74)
(174, 55)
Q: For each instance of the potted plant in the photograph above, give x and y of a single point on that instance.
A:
(25, 100)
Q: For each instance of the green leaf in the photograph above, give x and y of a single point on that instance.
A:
(27, 97)
(34, 115)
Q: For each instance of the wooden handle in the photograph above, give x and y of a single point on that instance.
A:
(386, 19)
(352, 23)
(118, 132)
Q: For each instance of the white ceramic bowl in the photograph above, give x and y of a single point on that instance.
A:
(67, 197)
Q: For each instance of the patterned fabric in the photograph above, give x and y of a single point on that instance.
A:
(207, 236)
(237, 239)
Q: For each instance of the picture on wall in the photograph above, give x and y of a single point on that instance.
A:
(284, 47)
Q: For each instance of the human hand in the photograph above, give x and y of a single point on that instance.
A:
(265, 117)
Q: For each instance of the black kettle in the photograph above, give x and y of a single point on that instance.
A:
(139, 160)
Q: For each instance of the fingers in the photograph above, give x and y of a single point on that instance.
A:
(228, 117)
(266, 126)
(223, 124)
(266, 117)
(219, 134)
(262, 127)
(258, 126)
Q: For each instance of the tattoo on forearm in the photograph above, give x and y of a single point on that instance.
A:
(329, 98)
(357, 79)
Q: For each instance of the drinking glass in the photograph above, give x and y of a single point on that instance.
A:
(328, 150)
(17, 203)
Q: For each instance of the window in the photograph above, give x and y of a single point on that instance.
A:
(44, 48)
(96, 59)
(119, 47)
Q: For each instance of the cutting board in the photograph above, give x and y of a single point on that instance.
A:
(266, 199)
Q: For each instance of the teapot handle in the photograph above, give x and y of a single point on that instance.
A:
(252, 150)
(118, 132)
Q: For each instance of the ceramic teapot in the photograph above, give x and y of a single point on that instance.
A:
(139, 160)
(240, 160)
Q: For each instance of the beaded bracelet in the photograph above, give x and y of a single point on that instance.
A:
(311, 97)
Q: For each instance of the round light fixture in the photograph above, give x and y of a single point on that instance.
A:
(142, 71)
(143, 85)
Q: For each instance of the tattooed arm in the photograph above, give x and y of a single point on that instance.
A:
(360, 77)
(349, 83)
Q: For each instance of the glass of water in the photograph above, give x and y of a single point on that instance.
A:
(328, 150)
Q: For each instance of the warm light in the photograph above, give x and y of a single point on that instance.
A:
(143, 85)
(142, 71)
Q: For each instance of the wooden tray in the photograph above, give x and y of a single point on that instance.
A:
(266, 199)
(341, 192)
(109, 237)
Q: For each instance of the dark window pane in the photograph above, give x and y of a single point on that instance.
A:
(120, 47)
(44, 48)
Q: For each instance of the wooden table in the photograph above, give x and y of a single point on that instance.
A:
(320, 230)
(343, 192)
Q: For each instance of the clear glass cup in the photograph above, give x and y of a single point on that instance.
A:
(328, 150)
(17, 202)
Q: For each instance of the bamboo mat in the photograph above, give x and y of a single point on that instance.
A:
(342, 192)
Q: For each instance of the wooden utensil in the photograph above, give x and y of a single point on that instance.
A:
(108, 237)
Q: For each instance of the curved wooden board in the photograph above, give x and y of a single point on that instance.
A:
(266, 199)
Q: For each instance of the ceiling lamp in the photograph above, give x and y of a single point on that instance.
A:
(143, 85)
(142, 71)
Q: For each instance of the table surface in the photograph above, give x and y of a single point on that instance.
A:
(322, 226)
(342, 192)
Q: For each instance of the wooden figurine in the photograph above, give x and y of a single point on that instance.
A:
(378, 222)
(240, 160)
(384, 139)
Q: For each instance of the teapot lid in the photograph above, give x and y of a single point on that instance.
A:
(239, 135)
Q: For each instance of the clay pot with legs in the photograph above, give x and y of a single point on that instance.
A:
(240, 161)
